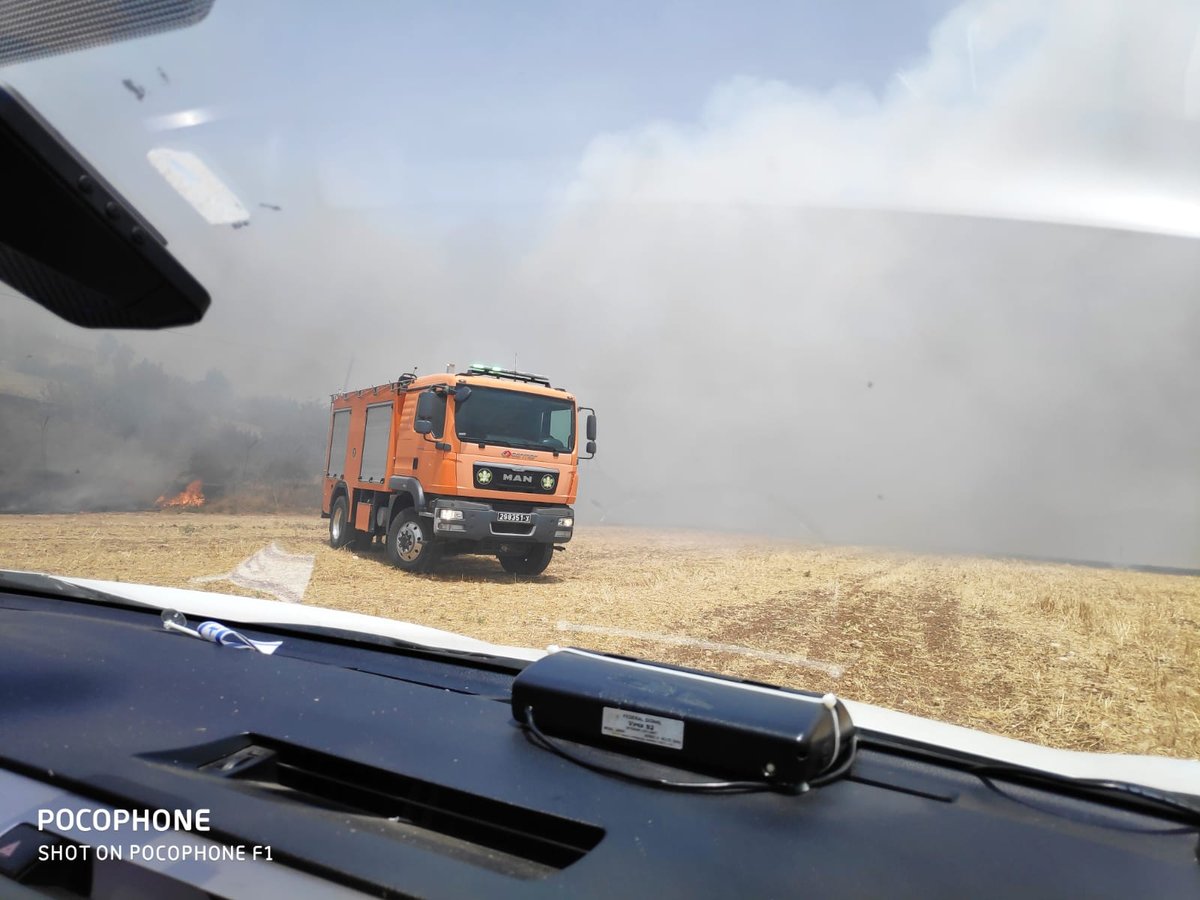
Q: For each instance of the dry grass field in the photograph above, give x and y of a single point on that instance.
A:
(1074, 657)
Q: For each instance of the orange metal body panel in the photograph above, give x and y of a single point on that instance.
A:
(362, 517)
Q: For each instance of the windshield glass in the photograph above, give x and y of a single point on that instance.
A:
(514, 419)
(887, 312)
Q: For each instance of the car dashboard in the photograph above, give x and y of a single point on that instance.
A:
(337, 767)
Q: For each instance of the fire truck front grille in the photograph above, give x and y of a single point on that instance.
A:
(512, 528)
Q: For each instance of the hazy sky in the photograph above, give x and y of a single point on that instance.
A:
(440, 105)
(779, 246)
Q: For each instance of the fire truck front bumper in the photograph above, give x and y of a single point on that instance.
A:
(481, 522)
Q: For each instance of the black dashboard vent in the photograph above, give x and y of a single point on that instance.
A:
(515, 840)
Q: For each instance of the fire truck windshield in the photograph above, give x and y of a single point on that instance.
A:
(516, 419)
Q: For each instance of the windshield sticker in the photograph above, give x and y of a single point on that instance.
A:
(199, 186)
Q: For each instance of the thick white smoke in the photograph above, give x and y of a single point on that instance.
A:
(1077, 111)
(771, 355)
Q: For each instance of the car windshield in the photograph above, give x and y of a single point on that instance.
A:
(885, 312)
(516, 420)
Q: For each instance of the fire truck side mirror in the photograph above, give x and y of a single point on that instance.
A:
(591, 429)
(423, 423)
(590, 448)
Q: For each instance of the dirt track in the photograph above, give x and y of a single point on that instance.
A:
(1073, 657)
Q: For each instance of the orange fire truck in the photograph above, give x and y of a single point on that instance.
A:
(485, 461)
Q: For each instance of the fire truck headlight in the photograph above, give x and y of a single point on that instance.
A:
(450, 514)
(566, 522)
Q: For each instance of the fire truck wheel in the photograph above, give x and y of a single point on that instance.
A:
(410, 543)
(340, 531)
(531, 562)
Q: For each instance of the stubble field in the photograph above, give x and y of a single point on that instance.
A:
(1068, 656)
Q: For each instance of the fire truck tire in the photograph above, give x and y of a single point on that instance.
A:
(410, 543)
(531, 562)
(341, 532)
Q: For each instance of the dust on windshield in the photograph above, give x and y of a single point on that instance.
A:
(886, 313)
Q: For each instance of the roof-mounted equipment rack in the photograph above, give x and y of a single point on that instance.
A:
(497, 372)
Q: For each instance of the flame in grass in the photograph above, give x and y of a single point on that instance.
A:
(190, 497)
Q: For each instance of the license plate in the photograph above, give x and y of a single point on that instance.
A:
(523, 518)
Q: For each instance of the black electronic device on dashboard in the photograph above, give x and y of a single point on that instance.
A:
(692, 720)
(69, 241)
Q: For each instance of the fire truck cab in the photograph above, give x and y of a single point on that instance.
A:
(484, 462)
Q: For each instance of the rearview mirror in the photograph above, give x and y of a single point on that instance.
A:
(462, 394)
(591, 428)
(70, 242)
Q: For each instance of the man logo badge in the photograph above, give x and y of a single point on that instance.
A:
(547, 482)
(484, 476)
